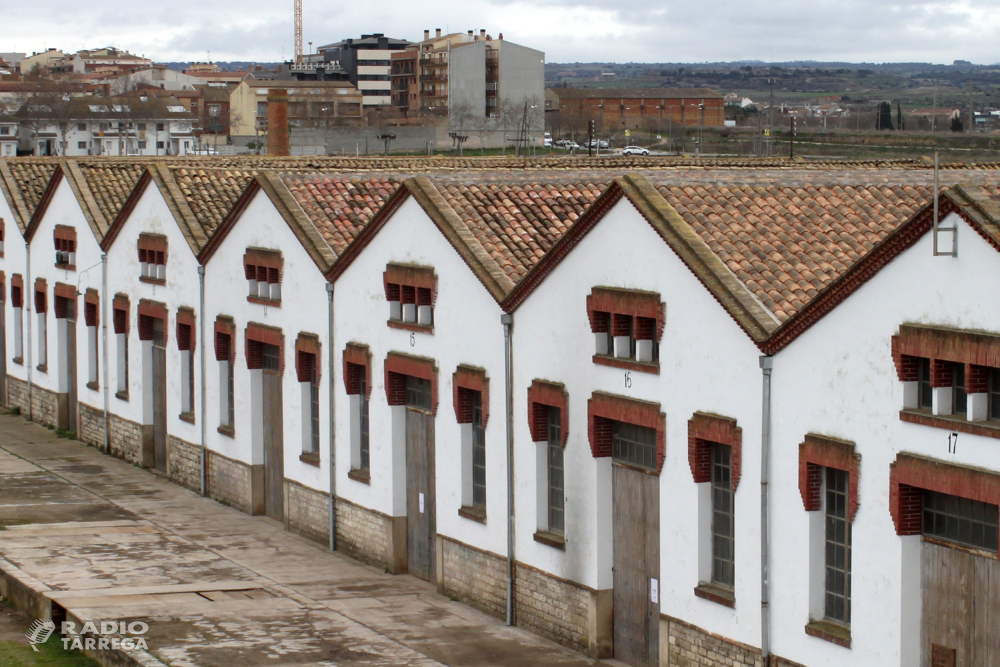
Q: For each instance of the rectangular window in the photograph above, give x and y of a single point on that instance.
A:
(722, 516)
(555, 464)
(122, 335)
(838, 548)
(310, 401)
(478, 452)
(17, 300)
(43, 344)
(82, 145)
(224, 355)
(960, 400)
(418, 393)
(635, 445)
(960, 520)
(271, 356)
(187, 368)
(365, 452)
(994, 391)
(925, 394)
(90, 315)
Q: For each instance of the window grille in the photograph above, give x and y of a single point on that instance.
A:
(635, 445)
(722, 516)
(556, 471)
(838, 547)
(418, 393)
(960, 520)
(478, 451)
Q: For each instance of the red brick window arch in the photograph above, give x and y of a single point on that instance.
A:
(265, 348)
(609, 417)
(65, 242)
(3, 235)
(358, 384)
(398, 367)
(543, 395)
(225, 354)
(704, 430)
(263, 269)
(627, 327)
(411, 292)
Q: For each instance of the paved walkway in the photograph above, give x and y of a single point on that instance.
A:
(218, 587)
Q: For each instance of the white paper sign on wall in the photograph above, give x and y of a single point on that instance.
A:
(654, 590)
(421, 503)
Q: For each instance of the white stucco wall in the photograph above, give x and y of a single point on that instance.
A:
(707, 364)
(303, 309)
(838, 379)
(12, 262)
(467, 330)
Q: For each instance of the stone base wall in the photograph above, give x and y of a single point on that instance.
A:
(474, 577)
(17, 395)
(44, 406)
(91, 425)
(126, 439)
(184, 463)
(551, 607)
(228, 481)
(307, 512)
(691, 646)
(362, 534)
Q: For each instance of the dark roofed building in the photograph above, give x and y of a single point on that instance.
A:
(639, 108)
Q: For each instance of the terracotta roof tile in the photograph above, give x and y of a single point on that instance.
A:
(111, 183)
(32, 177)
(210, 192)
(786, 243)
(340, 206)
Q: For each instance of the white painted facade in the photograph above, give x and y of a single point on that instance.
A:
(8, 137)
(13, 262)
(89, 137)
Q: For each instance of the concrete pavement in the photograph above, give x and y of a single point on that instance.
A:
(105, 540)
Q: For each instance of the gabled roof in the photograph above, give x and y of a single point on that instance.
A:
(980, 206)
(26, 179)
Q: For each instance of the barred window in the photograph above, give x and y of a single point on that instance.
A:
(722, 516)
(271, 356)
(365, 451)
(635, 445)
(478, 451)
(960, 400)
(838, 547)
(925, 394)
(418, 393)
(556, 471)
(960, 520)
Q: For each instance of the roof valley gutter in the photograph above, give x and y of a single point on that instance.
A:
(333, 432)
(766, 364)
(104, 344)
(31, 311)
(204, 344)
(508, 321)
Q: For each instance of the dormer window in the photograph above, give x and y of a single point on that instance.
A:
(65, 242)
(411, 292)
(152, 258)
(263, 273)
(627, 326)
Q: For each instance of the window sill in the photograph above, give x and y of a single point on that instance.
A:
(122, 395)
(19, 361)
(550, 539)
(276, 303)
(716, 594)
(227, 431)
(66, 267)
(628, 364)
(989, 429)
(411, 326)
(835, 633)
(473, 513)
(152, 281)
(312, 458)
(360, 475)
(94, 386)
(42, 367)
(186, 417)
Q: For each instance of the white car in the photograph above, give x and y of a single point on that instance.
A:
(634, 150)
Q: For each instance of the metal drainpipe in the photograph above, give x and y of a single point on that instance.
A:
(31, 313)
(104, 346)
(508, 320)
(766, 363)
(333, 433)
(204, 344)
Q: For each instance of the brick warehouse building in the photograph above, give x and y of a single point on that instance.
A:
(639, 108)
(676, 338)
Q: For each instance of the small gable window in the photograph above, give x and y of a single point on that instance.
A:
(263, 272)
(627, 327)
(411, 292)
(65, 241)
(152, 258)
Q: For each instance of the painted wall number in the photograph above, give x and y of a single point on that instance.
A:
(628, 379)
(953, 443)
(413, 340)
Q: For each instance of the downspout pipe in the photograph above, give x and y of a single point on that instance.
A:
(508, 321)
(333, 430)
(104, 347)
(766, 363)
(30, 289)
(204, 411)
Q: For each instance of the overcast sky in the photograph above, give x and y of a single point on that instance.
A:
(567, 30)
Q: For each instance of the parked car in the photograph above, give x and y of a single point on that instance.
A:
(598, 143)
(634, 150)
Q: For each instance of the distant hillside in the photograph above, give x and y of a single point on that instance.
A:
(230, 66)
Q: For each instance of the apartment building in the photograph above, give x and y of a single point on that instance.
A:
(311, 104)
(107, 60)
(367, 63)
(8, 135)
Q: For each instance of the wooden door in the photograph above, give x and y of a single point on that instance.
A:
(636, 512)
(421, 524)
(961, 607)
(71, 394)
(159, 397)
(274, 455)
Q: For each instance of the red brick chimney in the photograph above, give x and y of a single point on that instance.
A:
(277, 122)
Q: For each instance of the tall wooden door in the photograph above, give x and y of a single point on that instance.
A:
(421, 524)
(961, 607)
(274, 450)
(71, 393)
(159, 389)
(636, 518)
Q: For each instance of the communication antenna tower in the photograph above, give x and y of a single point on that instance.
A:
(298, 31)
